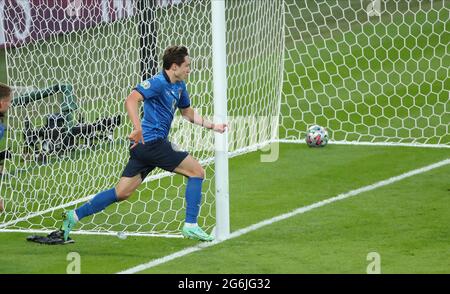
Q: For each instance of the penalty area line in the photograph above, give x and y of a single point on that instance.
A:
(281, 217)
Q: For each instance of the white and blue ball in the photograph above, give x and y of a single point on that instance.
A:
(316, 136)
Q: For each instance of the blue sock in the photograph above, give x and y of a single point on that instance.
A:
(96, 204)
(193, 199)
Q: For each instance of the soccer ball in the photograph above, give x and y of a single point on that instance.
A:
(316, 136)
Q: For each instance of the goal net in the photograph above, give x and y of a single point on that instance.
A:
(67, 131)
(371, 72)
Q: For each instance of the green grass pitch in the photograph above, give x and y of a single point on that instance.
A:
(405, 222)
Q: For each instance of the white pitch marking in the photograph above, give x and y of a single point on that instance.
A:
(295, 212)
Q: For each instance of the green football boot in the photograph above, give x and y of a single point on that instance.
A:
(196, 233)
(68, 223)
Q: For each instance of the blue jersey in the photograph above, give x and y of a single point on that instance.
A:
(161, 100)
(2, 130)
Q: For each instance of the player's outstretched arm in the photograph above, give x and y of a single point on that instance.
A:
(191, 115)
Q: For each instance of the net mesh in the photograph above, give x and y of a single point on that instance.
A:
(77, 81)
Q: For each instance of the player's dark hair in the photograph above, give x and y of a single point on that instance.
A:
(174, 54)
(5, 91)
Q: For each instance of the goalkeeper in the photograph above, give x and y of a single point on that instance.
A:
(5, 103)
(149, 147)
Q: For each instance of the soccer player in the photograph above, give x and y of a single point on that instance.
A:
(5, 103)
(162, 95)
